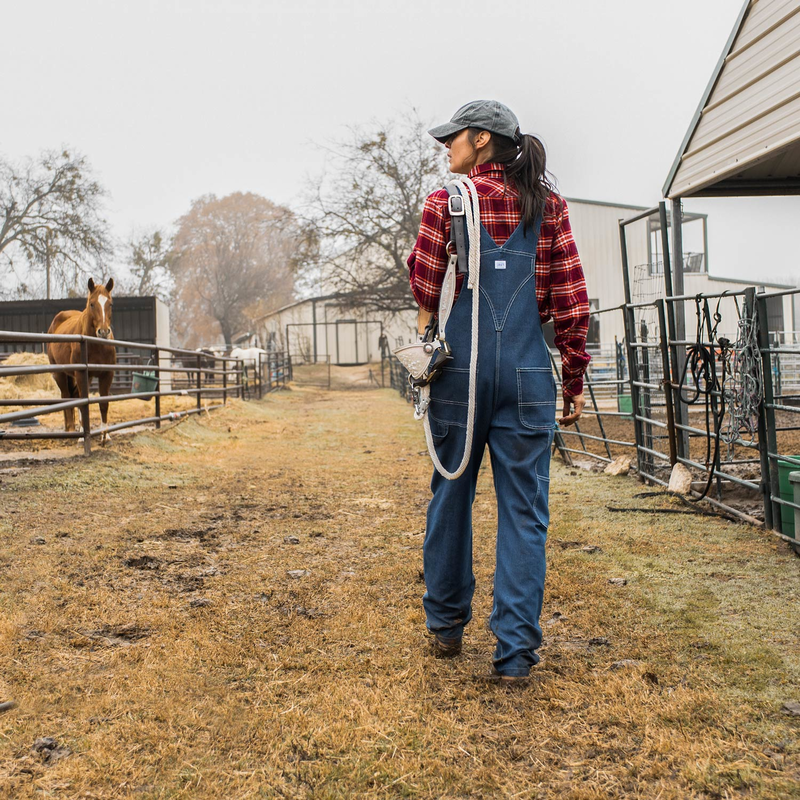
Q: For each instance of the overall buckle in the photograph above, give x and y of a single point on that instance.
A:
(455, 205)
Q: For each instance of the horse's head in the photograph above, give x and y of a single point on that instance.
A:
(99, 306)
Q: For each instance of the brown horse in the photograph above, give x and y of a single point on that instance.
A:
(94, 320)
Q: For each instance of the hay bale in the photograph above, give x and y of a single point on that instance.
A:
(15, 387)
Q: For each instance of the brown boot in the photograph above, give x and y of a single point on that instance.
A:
(444, 647)
(508, 680)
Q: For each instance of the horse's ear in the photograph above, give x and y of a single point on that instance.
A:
(91, 285)
(110, 284)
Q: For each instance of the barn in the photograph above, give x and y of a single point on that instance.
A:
(331, 326)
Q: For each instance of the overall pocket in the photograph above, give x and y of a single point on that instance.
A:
(450, 397)
(536, 397)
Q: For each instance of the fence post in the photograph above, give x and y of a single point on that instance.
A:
(777, 367)
(633, 371)
(224, 383)
(87, 430)
(158, 387)
(668, 396)
(767, 437)
(199, 383)
(647, 405)
(598, 415)
(558, 437)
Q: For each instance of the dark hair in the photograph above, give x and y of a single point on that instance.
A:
(526, 168)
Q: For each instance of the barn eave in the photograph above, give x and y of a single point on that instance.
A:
(744, 138)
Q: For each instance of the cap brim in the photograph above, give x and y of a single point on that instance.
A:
(443, 132)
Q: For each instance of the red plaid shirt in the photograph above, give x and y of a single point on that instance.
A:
(560, 285)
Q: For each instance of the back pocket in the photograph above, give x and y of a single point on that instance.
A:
(536, 397)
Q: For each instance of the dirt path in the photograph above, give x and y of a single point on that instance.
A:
(231, 608)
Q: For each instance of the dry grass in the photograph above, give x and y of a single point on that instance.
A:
(156, 634)
(118, 411)
(363, 376)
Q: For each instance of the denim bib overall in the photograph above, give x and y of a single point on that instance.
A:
(515, 416)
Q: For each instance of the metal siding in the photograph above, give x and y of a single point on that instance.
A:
(748, 64)
(596, 231)
(762, 15)
(745, 148)
(134, 318)
(772, 90)
(753, 113)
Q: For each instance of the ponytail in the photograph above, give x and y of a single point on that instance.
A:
(526, 167)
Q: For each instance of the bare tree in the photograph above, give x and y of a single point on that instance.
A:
(230, 254)
(50, 221)
(367, 213)
(151, 259)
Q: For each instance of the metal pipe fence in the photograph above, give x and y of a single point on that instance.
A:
(723, 400)
(161, 372)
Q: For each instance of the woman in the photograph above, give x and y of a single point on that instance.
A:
(529, 272)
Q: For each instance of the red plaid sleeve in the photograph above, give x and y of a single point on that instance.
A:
(428, 260)
(568, 305)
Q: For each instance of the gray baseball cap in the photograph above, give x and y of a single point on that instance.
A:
(488, 115)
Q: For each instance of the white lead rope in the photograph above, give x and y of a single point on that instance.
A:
(473, 224)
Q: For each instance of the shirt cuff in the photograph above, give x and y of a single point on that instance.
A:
(573, 386)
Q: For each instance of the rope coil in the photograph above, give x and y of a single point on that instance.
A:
(469, 193)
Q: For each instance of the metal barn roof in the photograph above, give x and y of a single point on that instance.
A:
(744, 138)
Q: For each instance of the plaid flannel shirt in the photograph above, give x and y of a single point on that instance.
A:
(560, 284)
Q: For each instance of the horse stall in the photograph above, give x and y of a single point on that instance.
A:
(136, 319)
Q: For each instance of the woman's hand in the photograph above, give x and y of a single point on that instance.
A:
(577, 402)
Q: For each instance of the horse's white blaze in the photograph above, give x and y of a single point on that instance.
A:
(102, 299)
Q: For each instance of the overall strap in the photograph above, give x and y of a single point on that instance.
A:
(458, 237)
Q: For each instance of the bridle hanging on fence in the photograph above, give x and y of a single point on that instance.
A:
(702, 360)
(745, 387)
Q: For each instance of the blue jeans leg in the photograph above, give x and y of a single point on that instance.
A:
(447, 551)
(521, 467)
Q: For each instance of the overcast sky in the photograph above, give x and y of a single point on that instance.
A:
(172, 99)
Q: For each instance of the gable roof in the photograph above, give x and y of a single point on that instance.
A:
(744, 138)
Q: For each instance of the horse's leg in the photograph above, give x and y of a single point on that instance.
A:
(63, 382)
(105, 380)
(75, 391)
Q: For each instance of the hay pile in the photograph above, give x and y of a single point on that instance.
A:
(16, 387)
